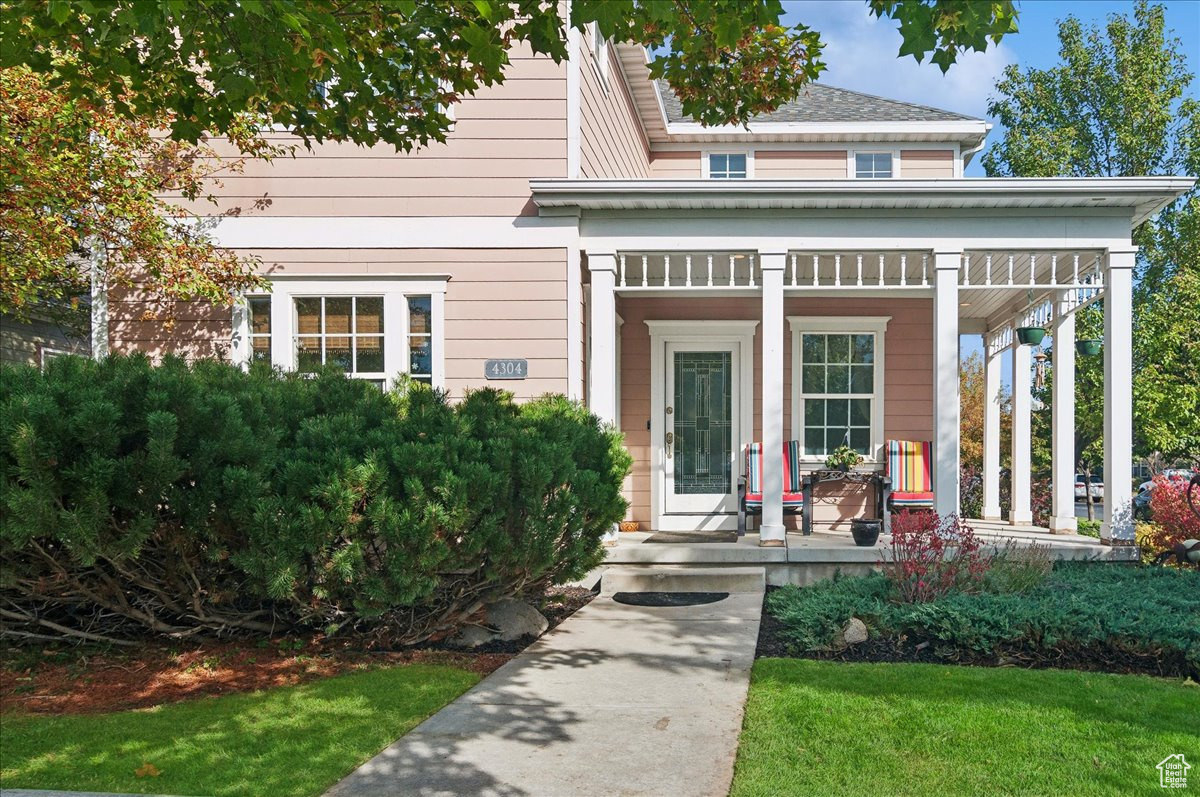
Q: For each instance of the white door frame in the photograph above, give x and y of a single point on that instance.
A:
(741, 335)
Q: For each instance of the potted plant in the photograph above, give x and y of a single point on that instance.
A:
(843, 458)
(1088, 347)
(1030, 336)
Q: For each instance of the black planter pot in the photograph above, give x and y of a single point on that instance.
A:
(1030, 336)
(865, 531)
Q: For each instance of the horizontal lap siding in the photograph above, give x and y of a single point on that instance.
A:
(676, 165)
(611, 140)
(191, 330)
(502, 137)
(908, 381)
(800, 164)
(926, 163)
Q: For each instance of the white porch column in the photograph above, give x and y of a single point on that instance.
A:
(1117, 528)
(1062, 516)
(602, 324)
(772, 533)
(1021, 513)
(99, 333)
(945, 382)
(991, 432)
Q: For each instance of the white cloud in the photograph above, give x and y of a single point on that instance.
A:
(861, 55)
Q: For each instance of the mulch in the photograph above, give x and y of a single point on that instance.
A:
(899, 648)
(78, 680)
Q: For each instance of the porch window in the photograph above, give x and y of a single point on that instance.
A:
(260, 328)
(837, 395)
(420, 338)
(872, 165)
(345, 331)
(727, 165)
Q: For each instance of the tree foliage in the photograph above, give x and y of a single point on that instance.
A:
(80, 181)
(972, 392)
(1117, 105)
(390, 68)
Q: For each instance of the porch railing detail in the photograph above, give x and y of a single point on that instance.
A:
(985, 270)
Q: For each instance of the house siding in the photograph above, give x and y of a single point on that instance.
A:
(800, 164)
(908, 382)
(612, 142)
(926, 163)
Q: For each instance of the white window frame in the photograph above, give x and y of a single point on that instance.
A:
(395, 291)
(840, 325)
(600, 55)
(852, 162)
(706, 163)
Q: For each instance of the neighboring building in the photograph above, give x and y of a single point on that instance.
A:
(807, 278)
(35, 341)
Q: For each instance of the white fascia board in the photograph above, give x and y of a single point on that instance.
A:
(387, 232)
(892, 131)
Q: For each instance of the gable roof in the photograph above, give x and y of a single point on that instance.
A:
(820, 103)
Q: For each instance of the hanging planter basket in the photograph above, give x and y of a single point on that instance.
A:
(1030, 336)
(1088, 348)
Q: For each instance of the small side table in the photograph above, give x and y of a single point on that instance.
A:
(813, 478)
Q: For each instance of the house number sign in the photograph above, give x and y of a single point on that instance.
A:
(506, 369)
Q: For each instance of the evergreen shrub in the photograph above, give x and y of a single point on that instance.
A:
(182, 499)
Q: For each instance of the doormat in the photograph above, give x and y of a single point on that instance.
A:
(692, 536)
(669, 598)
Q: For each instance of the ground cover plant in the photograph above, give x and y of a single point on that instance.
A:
(186, 500)
(294, 741)
(815, 727)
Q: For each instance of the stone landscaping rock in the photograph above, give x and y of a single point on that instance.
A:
(472, 636)
(855, 632)
(514, 619)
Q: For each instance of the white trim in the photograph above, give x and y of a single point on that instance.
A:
(574, 98)
(706, 166)
(949, 129)
(826, 325)
(852, 161)
(600, 56)
(386, 232)
(946, 357)
(715, 331)
(575, 299)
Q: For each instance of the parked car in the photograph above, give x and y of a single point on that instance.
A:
(1141, 501)
(1096, 491)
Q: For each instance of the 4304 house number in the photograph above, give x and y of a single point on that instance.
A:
(506, 369)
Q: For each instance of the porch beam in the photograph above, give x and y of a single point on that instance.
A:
(1117, 528)
(772, 532)
(991, 431)
(1021, 513)
(945, 382)
(1062, 516)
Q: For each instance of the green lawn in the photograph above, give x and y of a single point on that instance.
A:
(287, 741)
(889, 729)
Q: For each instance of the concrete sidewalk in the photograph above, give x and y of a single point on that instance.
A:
(618, 700)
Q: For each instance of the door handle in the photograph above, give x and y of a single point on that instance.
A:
(670, 443)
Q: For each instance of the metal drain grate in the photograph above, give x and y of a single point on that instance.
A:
(669, 598)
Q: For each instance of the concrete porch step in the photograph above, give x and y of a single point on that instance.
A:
(683, 579)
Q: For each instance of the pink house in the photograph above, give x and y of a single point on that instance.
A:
(806, 278)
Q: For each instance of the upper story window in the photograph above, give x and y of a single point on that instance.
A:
(872, 165)
(727, 166)
(600, 53)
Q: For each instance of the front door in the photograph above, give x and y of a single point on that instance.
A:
(702, 429)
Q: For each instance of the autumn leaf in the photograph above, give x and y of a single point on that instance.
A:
(147, 770)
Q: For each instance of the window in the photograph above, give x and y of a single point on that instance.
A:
(260, 328)
(344, 331)
(837, 393)
(872, 165)
(420, 338)
(600, 54)
(727, 166)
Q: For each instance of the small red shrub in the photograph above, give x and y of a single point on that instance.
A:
(1174, 520)
(932, 556)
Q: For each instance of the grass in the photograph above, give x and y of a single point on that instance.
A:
(888, 729)
(287, 741)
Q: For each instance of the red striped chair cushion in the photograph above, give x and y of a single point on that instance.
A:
(909, 464)
(792, 495)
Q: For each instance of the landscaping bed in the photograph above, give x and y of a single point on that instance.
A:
(1105, 617)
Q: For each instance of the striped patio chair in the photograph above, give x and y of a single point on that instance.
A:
(908, 475)
(750, 497)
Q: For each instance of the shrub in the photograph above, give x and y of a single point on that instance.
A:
(181, 499)
(1089, 528)
(1174, 520)
(1018, 567)
(931, 556)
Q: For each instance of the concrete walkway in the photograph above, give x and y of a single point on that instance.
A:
(618, 700)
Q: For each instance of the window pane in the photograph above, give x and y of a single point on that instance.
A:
(860, 440)
(838, 412)
(814, 348)
(863, 349)
(368, 315)
(838, 379)
(814, 379)
(337, 315)
(814, 412)
(737, 165)
(860, 412)
(839, 348)
(814, 441)
(368, 354)
(420, 356)
(862, 378)
(337, 352)
(260, 349)
(834, 437)
(420, 315)
(308, 316)
(718, 163)
(260, 315)
(308, 354)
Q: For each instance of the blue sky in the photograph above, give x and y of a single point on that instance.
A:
(861, 51)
